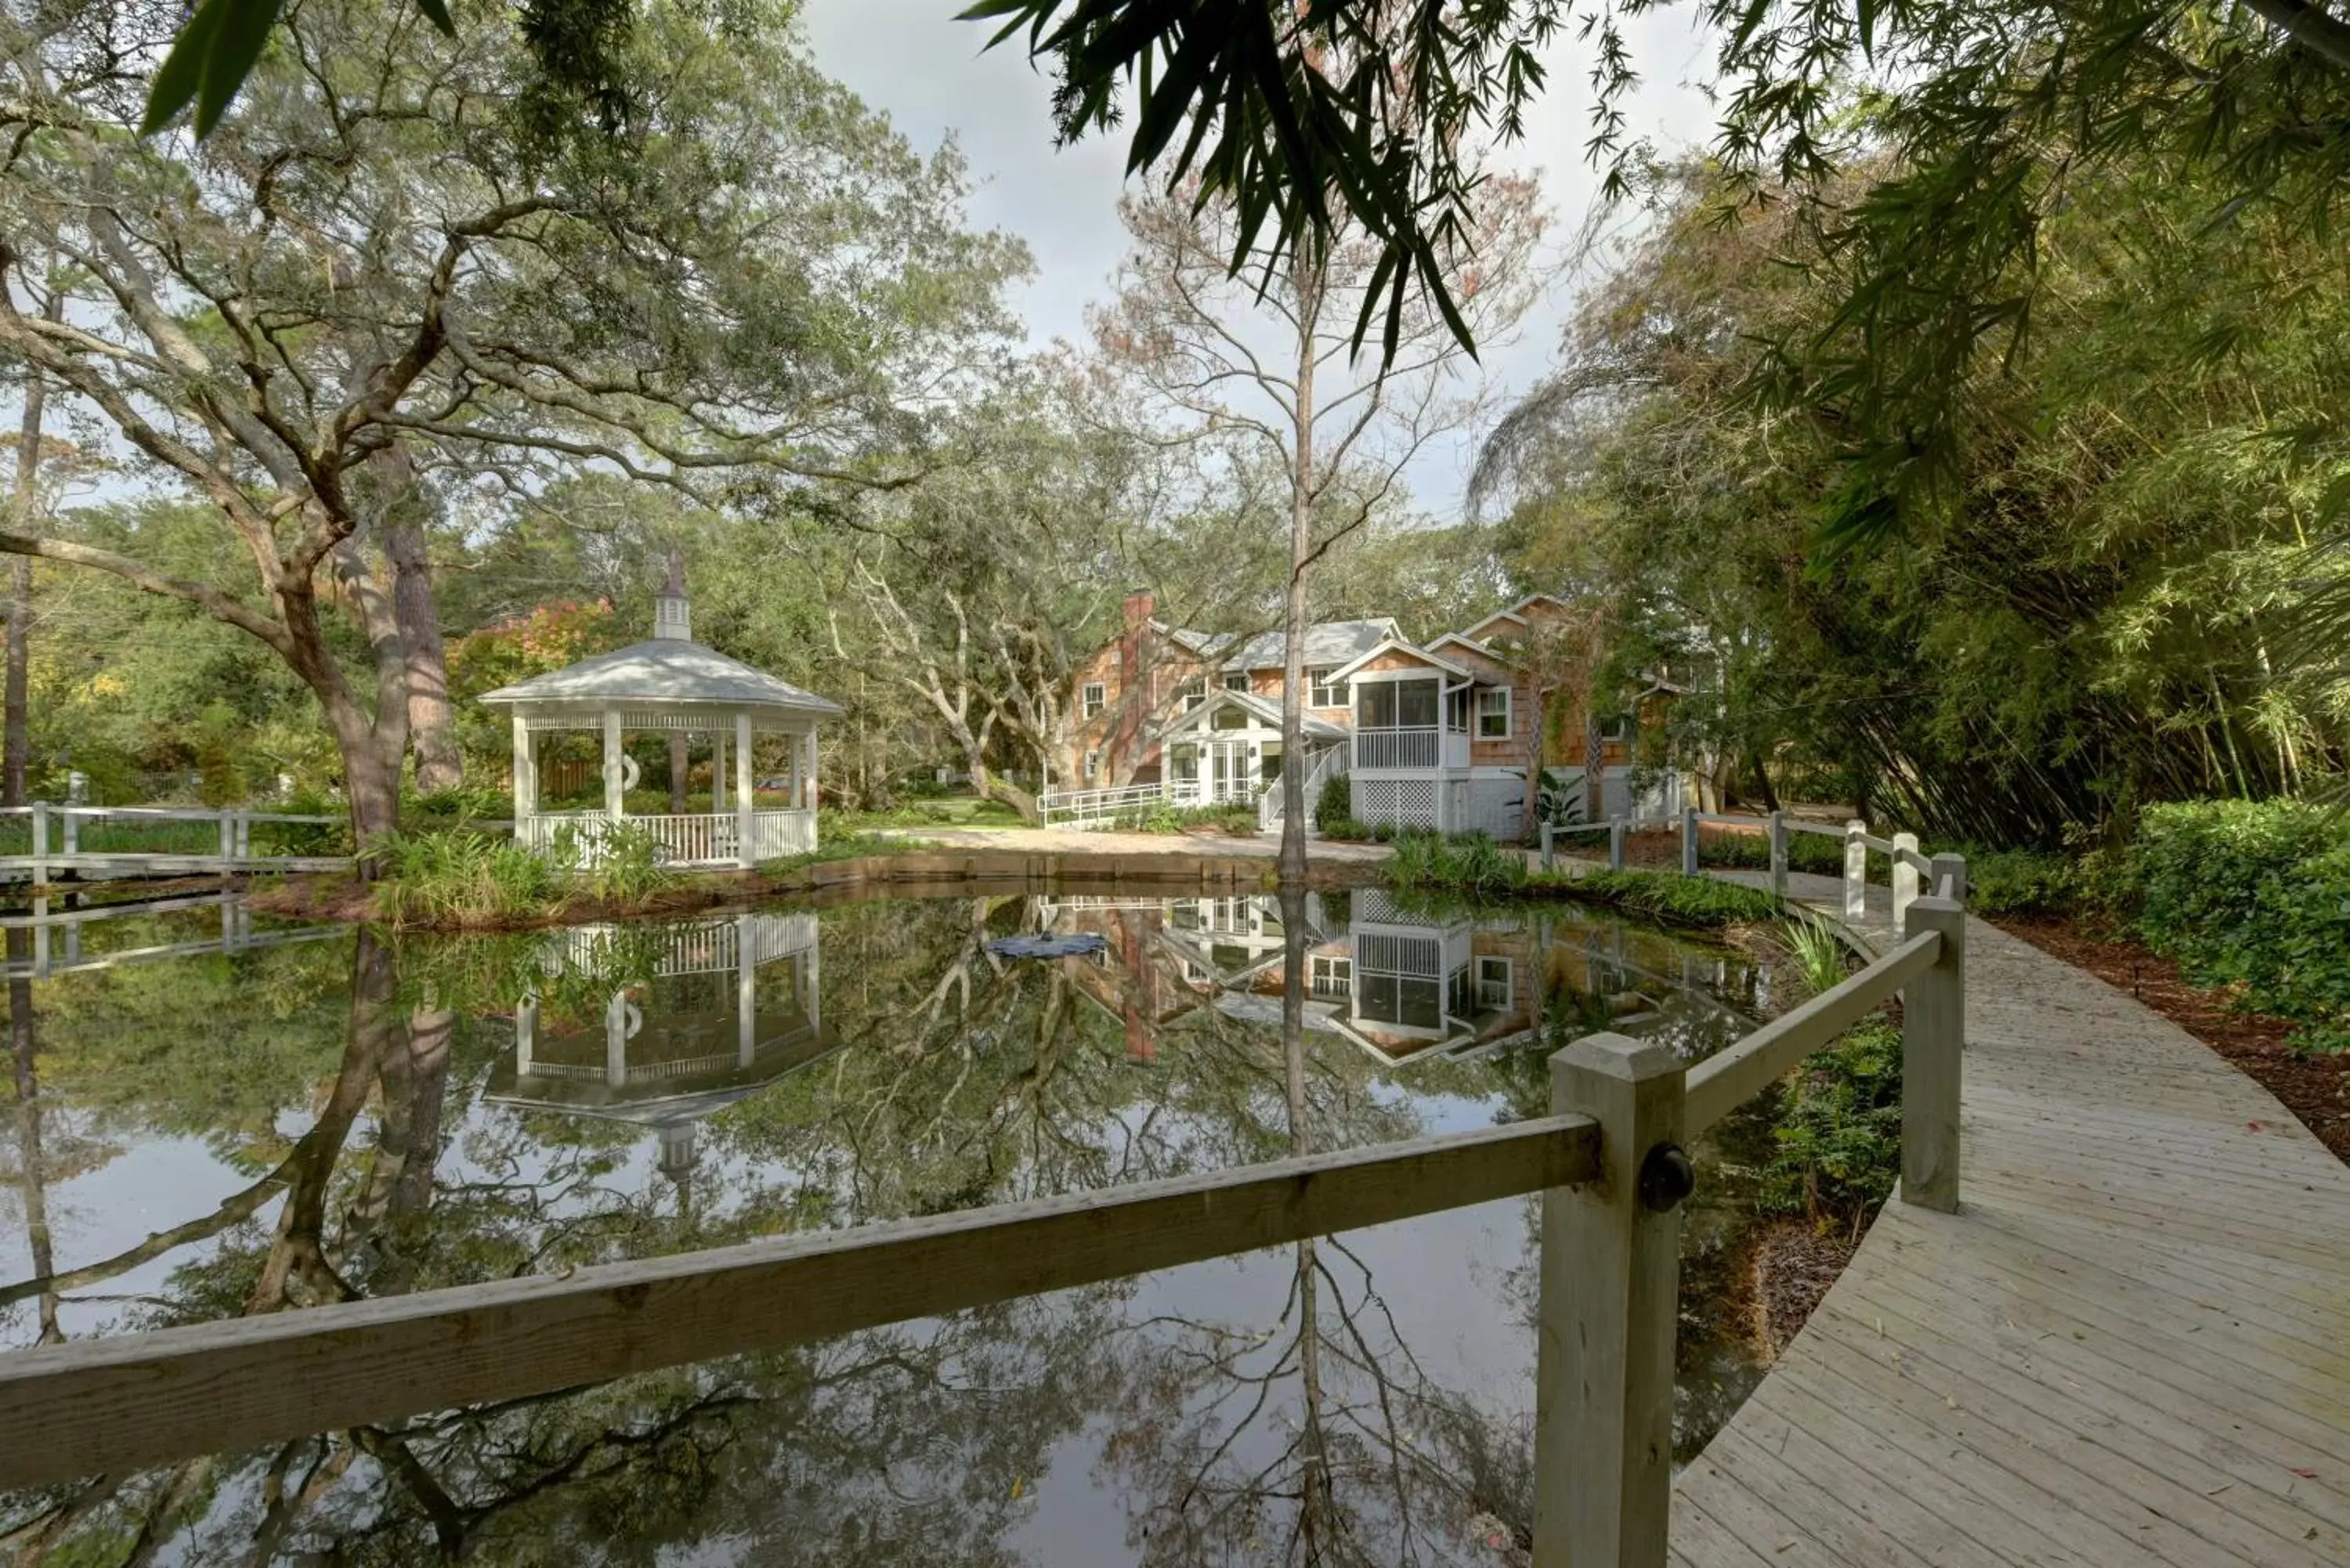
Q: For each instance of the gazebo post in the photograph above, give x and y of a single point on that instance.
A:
(615, 790)
(742, 790)
(526, 779)
(807, 772)
(717, 770)
(746, 994)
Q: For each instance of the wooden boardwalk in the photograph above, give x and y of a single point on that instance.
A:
(2131, 1346)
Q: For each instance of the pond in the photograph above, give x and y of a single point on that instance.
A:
(216, 1116)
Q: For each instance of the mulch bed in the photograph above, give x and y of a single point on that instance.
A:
(2315, 1089)
(1794, 1265)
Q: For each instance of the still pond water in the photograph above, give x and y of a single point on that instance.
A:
(298, 1116)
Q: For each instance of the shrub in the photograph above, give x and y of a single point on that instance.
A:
(627, 864)
(1838, 1141)
(1162, 816)
(1469, 862)
(1336, 801)
(2254, 896)
(2023, 882)
(1817, 953)
(464, 878)
(1350, 830)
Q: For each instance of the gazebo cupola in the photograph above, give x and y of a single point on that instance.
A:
(672, 685)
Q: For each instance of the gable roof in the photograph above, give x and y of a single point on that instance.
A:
(1266, 711)
(1398, 645)
(1327, 642)
(663, 670)
(1512, 613)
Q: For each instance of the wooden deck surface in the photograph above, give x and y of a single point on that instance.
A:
(2131, 1346)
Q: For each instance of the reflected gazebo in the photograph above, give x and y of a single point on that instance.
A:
(729, 1006)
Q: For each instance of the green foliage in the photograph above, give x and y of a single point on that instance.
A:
(1337, 801)
(1234, 818)
(1666, 896)
(1817, 953)
(2026, 883)
(1347, 829)
(1811, 852)
(1460, 862)
(465, 878)
(2257, 898)
(1838, 1138)
(935, 811)
(844, 846)
(623, 864)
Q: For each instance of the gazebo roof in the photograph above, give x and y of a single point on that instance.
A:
(663, 670)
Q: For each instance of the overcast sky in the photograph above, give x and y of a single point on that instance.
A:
(912, 59)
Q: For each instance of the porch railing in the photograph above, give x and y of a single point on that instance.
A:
(1402, 748)
(1608, 1160)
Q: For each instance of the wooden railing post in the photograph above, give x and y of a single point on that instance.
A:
(1949, 878)
(1778, 854)
(40, 843)
(244, 833)
(1904, 882)
(228, 833)
(69, 827)
(1547, 856)
(1855, 870)
(1933, 1041)
(1611, 1275)
(1689, 841)
(1616, 828)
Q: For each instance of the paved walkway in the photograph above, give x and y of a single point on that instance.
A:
(2131, 1346)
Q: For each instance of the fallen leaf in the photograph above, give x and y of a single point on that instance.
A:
(2305, 1475)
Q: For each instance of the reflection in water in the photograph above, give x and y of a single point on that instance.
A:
(365, 1118)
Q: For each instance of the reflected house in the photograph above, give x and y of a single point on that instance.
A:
(730, 1006)
(1418, 984)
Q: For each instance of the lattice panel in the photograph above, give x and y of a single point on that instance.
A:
(1416, 801)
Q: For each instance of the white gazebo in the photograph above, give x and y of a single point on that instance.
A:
(671, 684)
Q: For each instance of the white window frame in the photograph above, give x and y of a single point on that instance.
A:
(1323, 693)
(1193, 692)
(1093, 697)
(1331, 972)
(1508, 714)
(1494, 971)
(1236, 680)
(1092, 763)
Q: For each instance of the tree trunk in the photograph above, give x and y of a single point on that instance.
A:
(1763, 781)
(32, 1177)
(991, 786)
(1292, 862)
(432, 722)
(16, 741)
(1530, 822)
(1594, 763)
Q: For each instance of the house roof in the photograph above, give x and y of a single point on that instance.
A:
(663, 670)
(1398, 645)
(1327, 642)
(1512, 613)
(1266, 711)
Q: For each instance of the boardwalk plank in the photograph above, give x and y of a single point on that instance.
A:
(2131, 1345)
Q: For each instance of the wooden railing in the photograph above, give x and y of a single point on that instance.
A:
(1608, 1161)
(56, 944)
(1912, 872)
(1095, 808)
(1418, 747)
(689, 838)
(189, 839)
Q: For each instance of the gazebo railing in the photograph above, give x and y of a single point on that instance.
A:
(691, 838)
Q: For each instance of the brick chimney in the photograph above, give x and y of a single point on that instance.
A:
(1139, 606)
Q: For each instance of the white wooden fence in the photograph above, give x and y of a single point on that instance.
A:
(57, 834)
(702, 838)
(1912, 870)
(1608, 1162)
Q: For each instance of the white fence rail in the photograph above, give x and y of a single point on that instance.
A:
(221, 841)
(702, 838)
(1085, 808)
